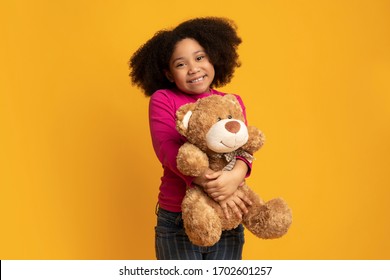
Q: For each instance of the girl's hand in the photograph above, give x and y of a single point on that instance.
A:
(203, 179)
(237, 202)
(222, 184)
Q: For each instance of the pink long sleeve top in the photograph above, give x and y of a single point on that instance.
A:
(167, 141)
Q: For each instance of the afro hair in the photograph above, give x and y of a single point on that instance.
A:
(216, 35)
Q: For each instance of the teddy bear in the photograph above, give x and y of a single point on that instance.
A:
(216, 134)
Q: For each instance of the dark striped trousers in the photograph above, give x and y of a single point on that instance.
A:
(172, 243)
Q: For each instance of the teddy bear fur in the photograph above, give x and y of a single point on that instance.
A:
(206, 124)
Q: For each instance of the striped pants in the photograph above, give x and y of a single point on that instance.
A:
(172, 243)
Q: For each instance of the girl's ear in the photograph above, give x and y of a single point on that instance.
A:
(169, 76)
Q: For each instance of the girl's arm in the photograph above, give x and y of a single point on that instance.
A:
(166, 139)
(223, 184)
(222, 187)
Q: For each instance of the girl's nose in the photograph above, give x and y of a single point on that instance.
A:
(193, 69)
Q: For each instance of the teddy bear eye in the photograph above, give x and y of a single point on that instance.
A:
(230, 117)
(219, 118)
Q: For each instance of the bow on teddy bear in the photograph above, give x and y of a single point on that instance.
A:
(216, 133)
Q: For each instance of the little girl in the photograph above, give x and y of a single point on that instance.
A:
(176, 67)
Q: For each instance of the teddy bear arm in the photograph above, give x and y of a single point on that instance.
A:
(256, 140)
(191, 161)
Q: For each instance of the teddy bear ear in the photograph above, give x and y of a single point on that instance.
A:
(234, 100)
(183, 116)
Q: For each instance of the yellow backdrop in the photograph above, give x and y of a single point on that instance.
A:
(78, 176)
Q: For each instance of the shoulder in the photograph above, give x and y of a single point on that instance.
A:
(167, 97)
(170, 99)
(162, 94)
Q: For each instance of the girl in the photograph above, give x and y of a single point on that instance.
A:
(176, 67)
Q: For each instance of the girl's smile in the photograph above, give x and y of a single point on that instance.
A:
(197, 80)
(190, 68)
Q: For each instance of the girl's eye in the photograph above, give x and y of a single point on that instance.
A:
(199, 58)
(179, 65)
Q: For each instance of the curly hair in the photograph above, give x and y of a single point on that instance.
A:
(216, 35)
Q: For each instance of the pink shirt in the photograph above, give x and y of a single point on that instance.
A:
(167, 141)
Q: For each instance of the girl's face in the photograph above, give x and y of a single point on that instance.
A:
(190, 68)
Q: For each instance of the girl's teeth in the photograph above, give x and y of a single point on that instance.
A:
(197, 80)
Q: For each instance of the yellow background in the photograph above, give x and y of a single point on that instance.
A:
(78, 175)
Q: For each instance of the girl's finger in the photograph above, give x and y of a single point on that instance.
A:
(235, 209)
(214, 175)
(225, 210)
(241, 205)
(244, 198)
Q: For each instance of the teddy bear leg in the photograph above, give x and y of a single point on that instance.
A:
(268, 220)
(201, 222)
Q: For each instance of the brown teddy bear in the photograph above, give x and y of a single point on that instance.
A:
(216, 133)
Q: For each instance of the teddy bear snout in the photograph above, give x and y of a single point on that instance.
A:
(233, 126)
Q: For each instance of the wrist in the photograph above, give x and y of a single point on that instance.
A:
(241, 167)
